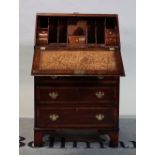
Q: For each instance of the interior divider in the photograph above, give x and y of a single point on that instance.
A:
(58, 27)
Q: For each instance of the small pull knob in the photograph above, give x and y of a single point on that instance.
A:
(53, 95)
(99, 94)
(99, 117)
(53, 117)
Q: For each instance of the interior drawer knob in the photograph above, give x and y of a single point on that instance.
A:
(99, 94)
(53, 117)
(99, 117)
(53, 95)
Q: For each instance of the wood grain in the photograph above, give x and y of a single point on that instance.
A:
(80, 62)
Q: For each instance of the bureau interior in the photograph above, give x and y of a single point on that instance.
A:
(73, 30)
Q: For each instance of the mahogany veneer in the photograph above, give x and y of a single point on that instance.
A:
(77, 66)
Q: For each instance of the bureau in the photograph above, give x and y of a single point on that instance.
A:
(76, 66)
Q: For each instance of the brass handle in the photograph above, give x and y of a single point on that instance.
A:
(99, 117)
(53, 95)
(99, 94)
(53, 117)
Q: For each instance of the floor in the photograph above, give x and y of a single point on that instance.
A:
(75, 143)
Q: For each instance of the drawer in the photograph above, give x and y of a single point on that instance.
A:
(77, 95)
(111, 33)
(55, 94)
(76, 117)
(101, 94)
(112, 41)
(76, 81)
(77, 39)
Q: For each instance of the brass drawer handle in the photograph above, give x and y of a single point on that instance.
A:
(99, 94)
(99, 117)
(53, 95)
(53, 117)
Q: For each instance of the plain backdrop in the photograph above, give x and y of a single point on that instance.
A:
(127, 20)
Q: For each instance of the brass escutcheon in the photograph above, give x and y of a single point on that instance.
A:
(99, 94)
(53, 95)
(99, 117)
(53, 117)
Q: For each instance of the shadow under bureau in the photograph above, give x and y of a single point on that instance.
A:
(77, 66)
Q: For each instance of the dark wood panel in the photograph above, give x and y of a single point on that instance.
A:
(76, 81)
(105, 117)
(97, 94)
(53, 94)
(81, 94)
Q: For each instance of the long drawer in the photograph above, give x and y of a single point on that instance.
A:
(47, 116)
(76, 94)
(76, 81)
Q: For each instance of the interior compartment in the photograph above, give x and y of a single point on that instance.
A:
(111, 23)
(53, 30)
(43, 22)
(77, 31)
(91, 31)
(76, 27)
(62, 30)
(100, 31)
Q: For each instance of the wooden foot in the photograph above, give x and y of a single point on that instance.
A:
(114, 139)
(38, 138)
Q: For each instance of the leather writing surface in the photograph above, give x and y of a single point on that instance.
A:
(80, 62)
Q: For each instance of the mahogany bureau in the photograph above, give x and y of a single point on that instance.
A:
(77, 66)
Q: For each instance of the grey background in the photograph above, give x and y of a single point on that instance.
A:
(124, 8)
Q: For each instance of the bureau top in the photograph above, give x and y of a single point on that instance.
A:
(76, 14)
(77, 44)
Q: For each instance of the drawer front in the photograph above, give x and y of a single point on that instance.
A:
(112, 41)
(77, 39)
(52, 94)
(111, 33)
(81, 95)
(74, 117)
(76, 81)
(98, 94)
